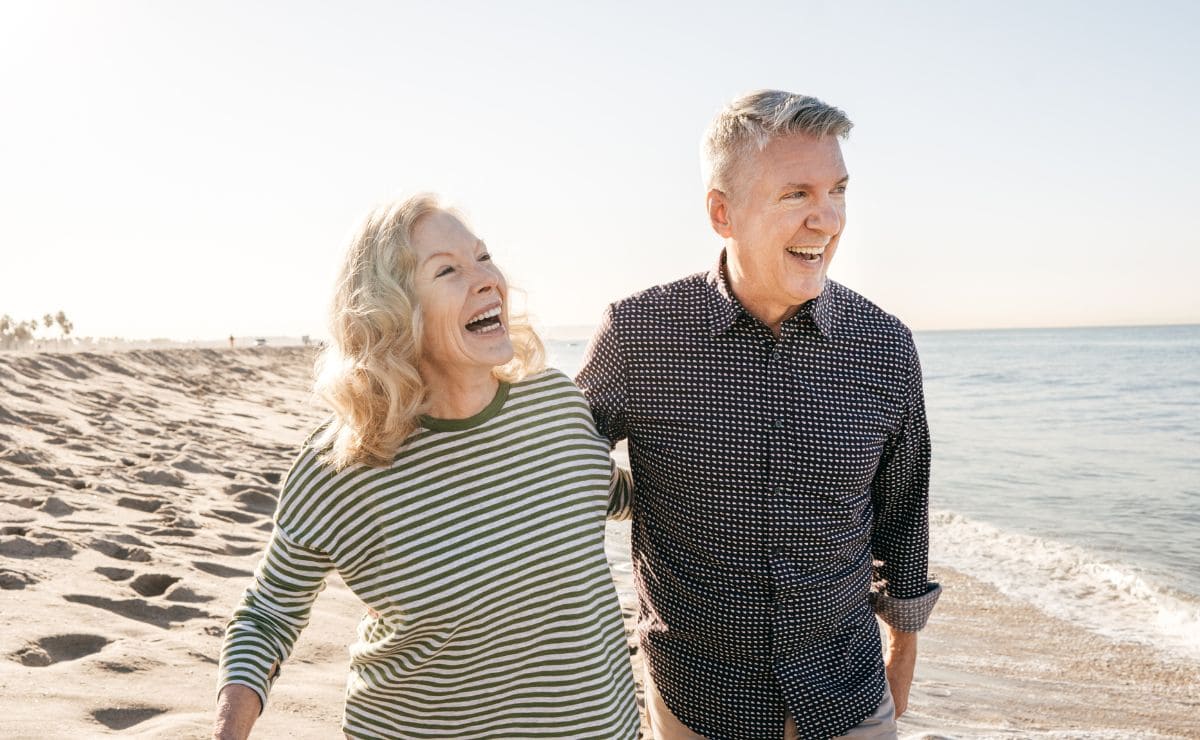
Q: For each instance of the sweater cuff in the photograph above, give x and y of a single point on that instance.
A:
(906, 615)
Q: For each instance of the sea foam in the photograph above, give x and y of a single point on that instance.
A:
(1070, 582)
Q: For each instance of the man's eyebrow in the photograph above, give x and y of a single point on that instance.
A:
(807, 186)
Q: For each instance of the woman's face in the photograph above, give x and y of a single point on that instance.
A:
(462, 297)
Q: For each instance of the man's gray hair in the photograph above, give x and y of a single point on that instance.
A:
(750, 122)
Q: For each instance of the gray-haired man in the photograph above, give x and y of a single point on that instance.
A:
(777, 433)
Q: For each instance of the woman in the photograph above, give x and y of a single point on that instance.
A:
(460, 490)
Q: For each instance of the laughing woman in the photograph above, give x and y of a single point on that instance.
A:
(460, 490)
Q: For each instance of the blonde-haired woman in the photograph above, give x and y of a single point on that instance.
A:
(460, 490)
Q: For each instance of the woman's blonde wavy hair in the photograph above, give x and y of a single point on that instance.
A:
(368, 373)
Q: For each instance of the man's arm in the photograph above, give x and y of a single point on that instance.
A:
(602, 380)
(900, 537)
(899, 662)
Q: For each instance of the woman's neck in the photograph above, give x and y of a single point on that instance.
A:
(458, 395)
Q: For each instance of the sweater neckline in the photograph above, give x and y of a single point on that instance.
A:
(488, 413)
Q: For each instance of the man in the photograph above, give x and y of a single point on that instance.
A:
(777, 434)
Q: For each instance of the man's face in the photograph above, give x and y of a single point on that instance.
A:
(782, 223)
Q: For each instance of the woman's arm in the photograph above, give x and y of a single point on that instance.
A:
(620, 493)
(237, 708)
(273, 612)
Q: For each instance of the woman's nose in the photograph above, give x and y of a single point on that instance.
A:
(485, 280)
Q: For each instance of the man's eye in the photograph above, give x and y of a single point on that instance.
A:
(796, 194)
(444, 271)
(840, 189)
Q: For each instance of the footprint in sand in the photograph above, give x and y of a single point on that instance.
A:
(125, 717)
(21, 547)
(121, 552)
(153, 584)
(57, 648)
(15, 580)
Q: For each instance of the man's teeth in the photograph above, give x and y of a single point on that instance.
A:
(808, 254)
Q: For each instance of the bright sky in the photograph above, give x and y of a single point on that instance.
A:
(191, 169)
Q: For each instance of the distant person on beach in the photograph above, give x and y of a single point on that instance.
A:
(777, 433)
(461, 491)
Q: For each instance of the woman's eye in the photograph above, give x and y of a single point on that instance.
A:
(444, 271)
(485, 257)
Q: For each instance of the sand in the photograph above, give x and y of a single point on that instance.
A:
(136, 490)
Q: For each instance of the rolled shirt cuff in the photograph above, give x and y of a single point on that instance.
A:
(906, 615)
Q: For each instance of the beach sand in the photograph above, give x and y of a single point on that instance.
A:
(136, 490)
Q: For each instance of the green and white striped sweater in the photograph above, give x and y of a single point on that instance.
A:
(481, 548)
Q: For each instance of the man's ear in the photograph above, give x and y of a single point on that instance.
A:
(718, 213)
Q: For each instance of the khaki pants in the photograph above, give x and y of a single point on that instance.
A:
(664, 725)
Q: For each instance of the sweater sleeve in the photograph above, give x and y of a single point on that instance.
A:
(273, 611)
(620, 493)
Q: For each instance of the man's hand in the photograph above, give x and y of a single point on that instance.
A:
(899, 662)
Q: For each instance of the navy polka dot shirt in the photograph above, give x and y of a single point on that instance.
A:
(775, 480)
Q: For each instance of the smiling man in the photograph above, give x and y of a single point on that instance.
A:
(780, 453)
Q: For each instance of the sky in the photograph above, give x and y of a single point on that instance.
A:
(191, 170)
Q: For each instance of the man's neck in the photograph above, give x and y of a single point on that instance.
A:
(769, 312)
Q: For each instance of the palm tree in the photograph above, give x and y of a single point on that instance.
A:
(64, 324)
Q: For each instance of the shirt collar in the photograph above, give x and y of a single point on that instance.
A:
(724, 308)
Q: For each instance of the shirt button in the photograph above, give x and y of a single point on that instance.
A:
(778, 424)
(776, 354)
(778, 490)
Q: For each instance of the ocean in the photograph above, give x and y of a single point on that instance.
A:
(1066, 472)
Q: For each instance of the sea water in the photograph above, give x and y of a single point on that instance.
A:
(1066, 472)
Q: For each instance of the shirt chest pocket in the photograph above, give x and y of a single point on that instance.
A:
(841, 435)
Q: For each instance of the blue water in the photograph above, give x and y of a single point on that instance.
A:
(1067, 470)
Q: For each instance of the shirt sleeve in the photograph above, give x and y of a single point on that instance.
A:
(602, 380)
(620, 493)
(903, 596)
(273, 611)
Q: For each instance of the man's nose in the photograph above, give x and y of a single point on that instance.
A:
(826, 217)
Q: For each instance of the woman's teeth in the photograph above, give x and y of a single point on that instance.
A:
(485, 322)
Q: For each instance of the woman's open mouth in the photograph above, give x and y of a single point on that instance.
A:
(485, 322)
